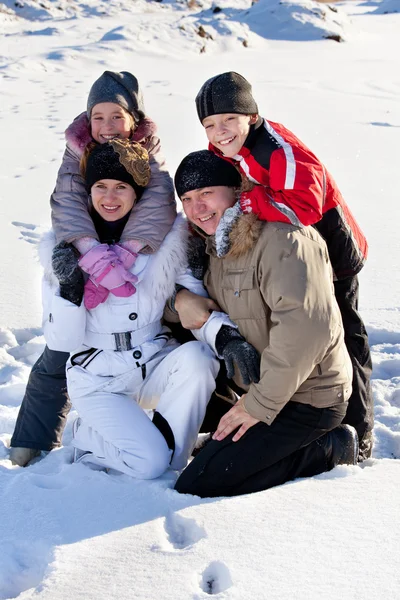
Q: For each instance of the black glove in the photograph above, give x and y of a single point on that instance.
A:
(197, 256)
(234, 349)
(65, 267)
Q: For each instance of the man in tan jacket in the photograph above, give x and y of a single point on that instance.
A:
(274, 280)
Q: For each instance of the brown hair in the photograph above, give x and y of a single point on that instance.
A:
(85, 156)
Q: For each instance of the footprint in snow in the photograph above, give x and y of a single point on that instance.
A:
(181, 533)
(47, 482)
(215, 580)
(22, 567)
(24, 335)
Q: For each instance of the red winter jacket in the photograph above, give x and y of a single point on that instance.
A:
(299, 190)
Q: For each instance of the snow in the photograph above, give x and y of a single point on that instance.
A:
(69, 532)
(386, 7)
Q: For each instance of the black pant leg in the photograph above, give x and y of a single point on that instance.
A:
(360, 412)
(267, 455)
(45, 407)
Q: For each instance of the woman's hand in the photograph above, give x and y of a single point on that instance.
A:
(193, 310)
(237, 416)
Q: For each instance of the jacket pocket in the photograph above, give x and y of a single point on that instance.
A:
(242, 293)
(238, 280)
(324, 397)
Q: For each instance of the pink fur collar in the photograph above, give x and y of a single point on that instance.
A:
(77, 135)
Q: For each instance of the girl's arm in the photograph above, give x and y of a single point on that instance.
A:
(153, 216)
(69, 203)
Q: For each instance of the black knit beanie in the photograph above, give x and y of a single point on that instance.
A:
(121, 160)
(225, 93)
(119, 88)
(203, 169)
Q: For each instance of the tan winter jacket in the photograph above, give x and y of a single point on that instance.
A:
(151, 218)
(275, 283)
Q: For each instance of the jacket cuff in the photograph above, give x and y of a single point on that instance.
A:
(259, 411)
(211, 327)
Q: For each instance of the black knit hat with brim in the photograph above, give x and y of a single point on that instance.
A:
(118, 88)
(119, 160)
(204, 169)
(225, 93)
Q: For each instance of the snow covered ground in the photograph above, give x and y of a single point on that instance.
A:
(67, 532)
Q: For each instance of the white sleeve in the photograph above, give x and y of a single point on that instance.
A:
(63, 322)
(186, 279)
(211, 327)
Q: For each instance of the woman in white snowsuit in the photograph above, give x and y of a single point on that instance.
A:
(123, 360)
(115, 109)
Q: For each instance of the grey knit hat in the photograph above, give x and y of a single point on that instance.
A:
(203, 169)
(225, 93)
(120, 88)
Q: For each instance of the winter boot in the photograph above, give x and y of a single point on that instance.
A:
(22, 456)
(343, 446)
(366, 444)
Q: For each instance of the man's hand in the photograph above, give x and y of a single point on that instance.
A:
(236, 417)
(235, 350)
(193, 310)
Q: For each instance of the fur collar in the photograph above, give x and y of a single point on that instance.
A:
(242, 234)
(224, 229)
(165, 265)
(77, 135)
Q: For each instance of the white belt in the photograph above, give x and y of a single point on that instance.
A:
(125, 340)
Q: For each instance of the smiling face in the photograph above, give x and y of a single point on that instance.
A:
(228, 132)
(204, 207)
(109, 121)
(112, 199)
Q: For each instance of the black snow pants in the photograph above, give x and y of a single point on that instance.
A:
(360, 413)
(266, 455)
(45, 407)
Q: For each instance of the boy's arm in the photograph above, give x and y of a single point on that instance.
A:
(292, 191)
(153, 216)
(69, 203)
(293, 178)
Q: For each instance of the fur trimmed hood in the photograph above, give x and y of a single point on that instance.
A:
(241, 236)
(77, 135)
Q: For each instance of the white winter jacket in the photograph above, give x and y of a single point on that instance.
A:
(125, 324)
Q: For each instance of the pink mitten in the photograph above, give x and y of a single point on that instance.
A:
(125, 290)
(94, 294)
(126, 257)
(104, 266)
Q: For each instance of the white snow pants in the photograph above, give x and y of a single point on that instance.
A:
(178, 383)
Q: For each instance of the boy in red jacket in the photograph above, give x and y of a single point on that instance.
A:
(291, 185)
